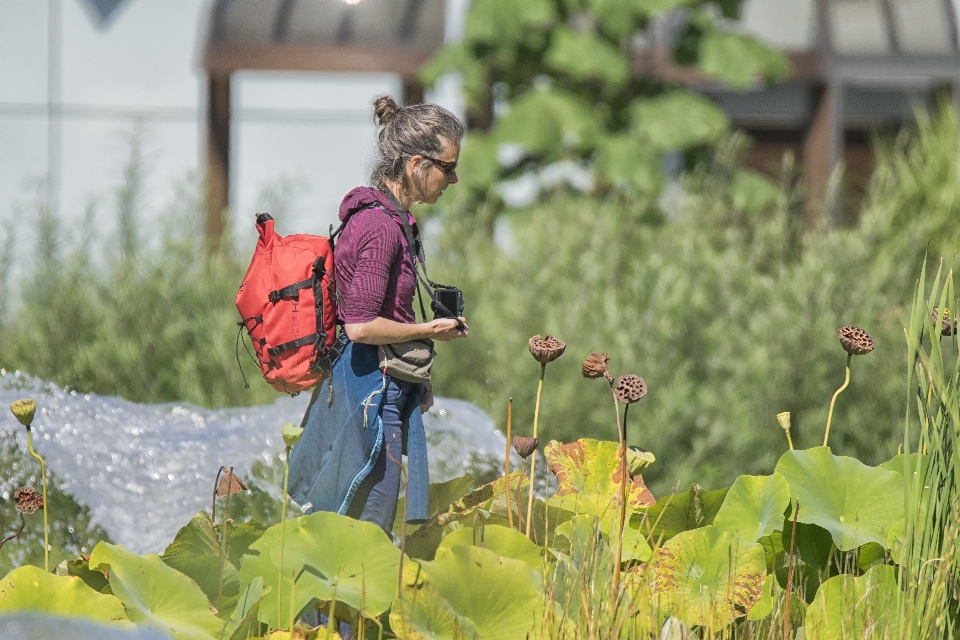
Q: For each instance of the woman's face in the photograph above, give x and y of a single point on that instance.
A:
(428, 178)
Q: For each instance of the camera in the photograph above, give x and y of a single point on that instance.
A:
(447, 303)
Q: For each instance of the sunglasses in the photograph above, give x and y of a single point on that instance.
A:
(446, 166)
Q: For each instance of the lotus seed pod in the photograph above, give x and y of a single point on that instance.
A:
(948, 326)
(291, 433)
(596, 367)
(784, 420)
(28, 500)
(546, 349)
(630, 388)
(525, 445)
(855, 340)
(24, 411)
(230, 484)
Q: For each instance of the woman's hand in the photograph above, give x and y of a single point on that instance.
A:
(446, 329)
(426, 400)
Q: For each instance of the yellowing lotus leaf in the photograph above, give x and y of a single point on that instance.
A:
(708, 576)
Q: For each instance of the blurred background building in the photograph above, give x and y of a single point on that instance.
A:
(271, 98)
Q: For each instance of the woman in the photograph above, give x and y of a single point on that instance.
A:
(347, 460)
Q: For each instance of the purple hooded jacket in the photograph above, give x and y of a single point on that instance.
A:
(375, 275)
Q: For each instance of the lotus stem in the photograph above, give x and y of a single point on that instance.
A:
(283, 520)
(616, 410)
(786, 606)
(10, 537)
(506, 463)
(223, 542)
(533, 461)
(623, 502)
(833, 401)
(519, 485)
(213, 507)
(46, 527)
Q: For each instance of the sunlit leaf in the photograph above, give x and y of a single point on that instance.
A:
(741, 60)
(624, 162)
(332, 558)
(754, 506)
(30, 588)
(590, 473)
(672, 514)
(546, 121)
(586, 56)
(156, 594)
(505, 542)
(678, 120)
(193, 554)
(847, 607)
(708, 577)
(469, 592)
(749, 191)
(857, 504)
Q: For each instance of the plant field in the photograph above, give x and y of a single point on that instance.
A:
(822, 546)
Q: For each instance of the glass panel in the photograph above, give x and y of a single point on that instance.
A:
(858, 27)
(786, 24)
(923, 26)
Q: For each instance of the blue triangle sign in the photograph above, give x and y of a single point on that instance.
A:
(102, 10)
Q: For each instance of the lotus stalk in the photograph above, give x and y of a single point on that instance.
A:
(629, 389)
(525, 447)
(291, 434)
(544, 350)
(786, 605)
(506, 463)
(24, 411)
(856, 342)
(596, 367)
(229, 486)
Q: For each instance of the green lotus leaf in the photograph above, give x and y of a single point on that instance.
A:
(193, 554)
(741, 60)
(29, 588)
(583, 534)
(678, 120)
(156, 594)
(469, 592)
(504, 541)
(857, 504)
(585, 56)
(80, 568)
(754, 506)
(708, 576)
(848, 607)
(441, 496)
(243, 622)
(672, 514)
(29, 625)
(332, 557)
(590, 471)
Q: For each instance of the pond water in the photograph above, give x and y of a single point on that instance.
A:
(145, 469)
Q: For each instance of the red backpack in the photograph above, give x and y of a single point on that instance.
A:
(287, 305)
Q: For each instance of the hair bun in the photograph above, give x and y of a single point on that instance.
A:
(385, 109)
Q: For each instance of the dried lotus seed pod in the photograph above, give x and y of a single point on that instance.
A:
(855, 340)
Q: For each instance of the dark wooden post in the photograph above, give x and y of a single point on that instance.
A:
(822, 151)
(412, 91)
(218, 158)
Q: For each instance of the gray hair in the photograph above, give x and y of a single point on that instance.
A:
(414, 130)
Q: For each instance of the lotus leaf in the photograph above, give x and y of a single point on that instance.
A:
(848, 607)
(623, 161)
(678, 120)
(29, 588)
(915, 463)
(505, 542)
(80, 568)
(591, 470)
(441, 496)
(754, 506)
(156, 594)
(242, 622)
(192, 553)
(469, 592)
(672, 514)
(740, 60)
(332, 557)
(585, 538)
(708, 576)
(857, 504)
